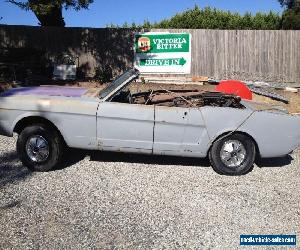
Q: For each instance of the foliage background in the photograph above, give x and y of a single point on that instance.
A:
(212, 18)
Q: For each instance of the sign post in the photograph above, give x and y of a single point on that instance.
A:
(158, 53)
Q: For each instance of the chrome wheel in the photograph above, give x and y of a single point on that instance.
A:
(233, 153)
(37, 148)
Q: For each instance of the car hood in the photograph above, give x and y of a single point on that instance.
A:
(51, 91)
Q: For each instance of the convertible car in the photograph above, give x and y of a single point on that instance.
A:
(190, 123)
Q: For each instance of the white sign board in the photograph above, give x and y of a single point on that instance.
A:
(168, 53)
(64, 72)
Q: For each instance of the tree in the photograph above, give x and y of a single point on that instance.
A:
(49, 12)
(291, 15)
(212, 18)
(289, 4)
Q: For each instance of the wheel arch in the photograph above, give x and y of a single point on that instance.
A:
(32, 120)
(224, 134)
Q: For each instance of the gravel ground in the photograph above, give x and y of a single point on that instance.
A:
(115, 201)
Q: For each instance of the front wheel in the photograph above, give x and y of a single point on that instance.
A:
(232, 155)
(40, 147)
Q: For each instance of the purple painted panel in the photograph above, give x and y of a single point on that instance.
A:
(47, 91)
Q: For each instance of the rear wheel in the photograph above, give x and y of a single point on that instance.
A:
(40, 147)
(232, 155)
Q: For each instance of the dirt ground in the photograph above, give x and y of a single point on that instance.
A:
(293, 106)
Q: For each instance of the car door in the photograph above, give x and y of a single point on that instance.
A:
(125, 127)
(179, 131)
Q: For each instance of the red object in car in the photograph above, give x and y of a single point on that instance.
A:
(234, 87)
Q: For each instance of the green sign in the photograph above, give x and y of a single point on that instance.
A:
(163, 62)
(162, 43)
(163, 53)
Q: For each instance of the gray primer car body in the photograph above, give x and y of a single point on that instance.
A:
(88, 122)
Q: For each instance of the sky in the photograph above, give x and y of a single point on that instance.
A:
(102, 13)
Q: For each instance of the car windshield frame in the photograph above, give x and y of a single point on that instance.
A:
(119, 83)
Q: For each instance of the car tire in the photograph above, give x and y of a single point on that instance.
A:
(233, 154)
(40, 147)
